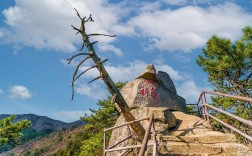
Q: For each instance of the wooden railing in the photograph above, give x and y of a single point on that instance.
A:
(150, 130)
(203, 107)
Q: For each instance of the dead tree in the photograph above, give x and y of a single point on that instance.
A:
(98, 63)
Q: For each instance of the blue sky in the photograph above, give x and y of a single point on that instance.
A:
(36, 38)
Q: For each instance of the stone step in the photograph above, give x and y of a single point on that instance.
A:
(219, 149)
(181, 148)
(235, 149)
(209, 137)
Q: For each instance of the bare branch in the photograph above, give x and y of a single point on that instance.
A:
(93, 43)
(71, 58)
(89, 69)
(101, 35)
(90, 19)
(103, 61)
(78, 30)
(84, 72)
(75, 73)
(78, 13)
(95, 79)
(83, 45)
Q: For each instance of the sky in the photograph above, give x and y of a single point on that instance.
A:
(36, 37)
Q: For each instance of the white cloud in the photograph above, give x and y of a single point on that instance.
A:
(94, 90)
(20, 93)
(1, 91)
(158, 60)
(175, 2)
(182, 58)
(189, 27)
(1, 33)
(132, 70)
(70, 116)
(190, 91)
(186, 86)
(149, 6)
(184, 28)
(109, 47)
(192, 2)
(46, 24)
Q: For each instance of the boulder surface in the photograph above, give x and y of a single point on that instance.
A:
(152, 90)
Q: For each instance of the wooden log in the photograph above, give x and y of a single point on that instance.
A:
(136, 126)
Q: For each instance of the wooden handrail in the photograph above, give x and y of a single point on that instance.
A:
(146, 137)
(145, 143)
(231, 127)
(248, 99)
(128, 147)
(248, 122)
(206, 115)
(125, 124)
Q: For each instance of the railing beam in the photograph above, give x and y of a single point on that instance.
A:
(248, 99)
(121, 141)
(146, 137)
(128, 147)
(155, 146)
(229, 114)
(206, 115)
(231, 127)
(104, 143)
(127, 123)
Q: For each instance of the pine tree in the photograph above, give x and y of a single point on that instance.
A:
(11, 132)
(104, 117)
(229, 68)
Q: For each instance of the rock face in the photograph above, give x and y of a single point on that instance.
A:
(149, 73)
(153, 90)
(166, 82)
(163, 118)
(194, 136)
(178, 133)
(150, 93)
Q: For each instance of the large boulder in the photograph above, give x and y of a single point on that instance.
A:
(152, 90)
(163, 120)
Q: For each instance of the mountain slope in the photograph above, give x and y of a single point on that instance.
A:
(54, 144)
(41, 126)
(42, 123)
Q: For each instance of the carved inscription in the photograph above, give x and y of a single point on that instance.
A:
(148, 89)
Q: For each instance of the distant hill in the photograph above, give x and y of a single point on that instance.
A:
(41, 126)
(56, 143)
(43, 123)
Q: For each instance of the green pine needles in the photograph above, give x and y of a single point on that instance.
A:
(229, 68)
(11, 132)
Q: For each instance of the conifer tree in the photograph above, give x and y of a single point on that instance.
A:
(104, 117)
(11, 132)
(229, 68)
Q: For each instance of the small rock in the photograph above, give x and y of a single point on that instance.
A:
(149, 73)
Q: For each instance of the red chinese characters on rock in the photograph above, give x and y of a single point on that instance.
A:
(148, 89)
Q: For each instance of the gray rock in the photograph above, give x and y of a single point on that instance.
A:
(166, 82)
(147, 93)
(149, 73)
(163, 120)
